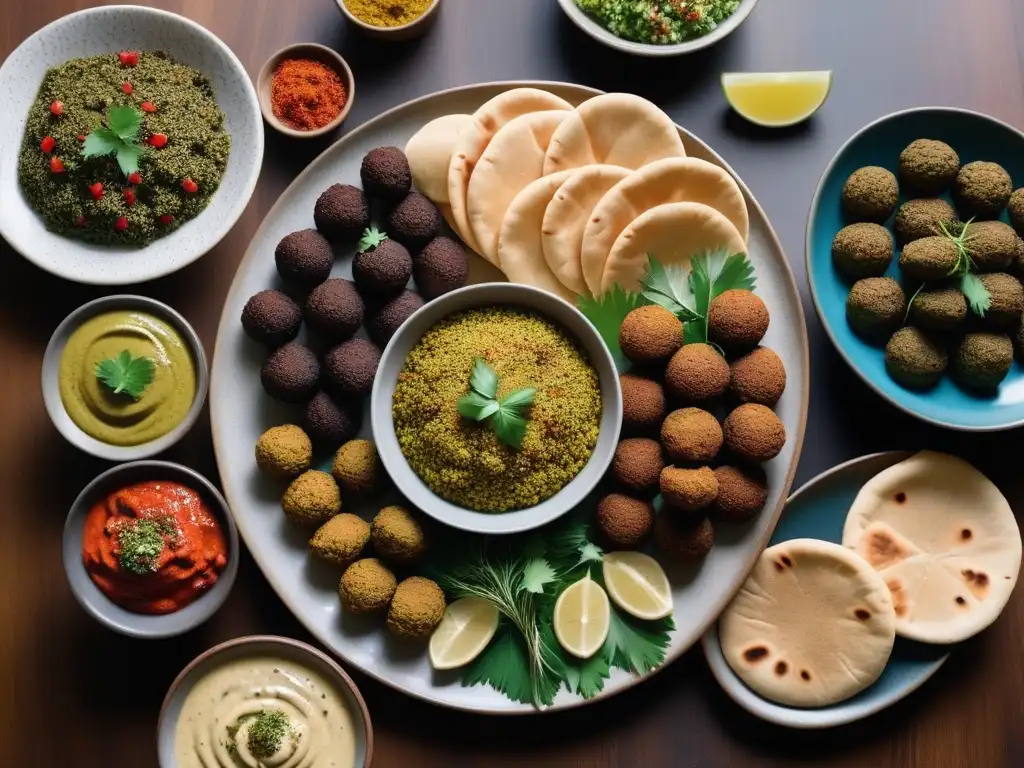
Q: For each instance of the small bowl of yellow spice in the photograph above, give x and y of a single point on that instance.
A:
(390, 19)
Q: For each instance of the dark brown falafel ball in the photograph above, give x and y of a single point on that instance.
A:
(680, 536)
(688, 489)
(328, 423)
(993, 245)
(342, 212)
(697, 373)
(624, 522)
(742, 492)
(442, 266)
(385, 174)
(415, 221)
(643, 403)
(928, 167)
(271, 318)
(753, 432)
(1007, 296)
(335, 309)
(637, 465)
(920, 218)
(875, 308)
(862, 250)
(870, 194)
(304, 259)
(691, 434)
(939, 309)
(982, 360)
(758, 377)
(291, 373)
(930, 258)
(349, 368)
(915, 359)
(1018, 342)
(649, 334)
(383, 269)
(384, 319)
(737, 320)
(982, 190)
(1016, 210)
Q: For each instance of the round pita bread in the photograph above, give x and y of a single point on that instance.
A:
(813, 625)
(944, 540)
(673, 234)
(472, 142)
(513, 159)
(520, 253)
(566, 219)
(673, 180)
(430, 154)
(613, 129)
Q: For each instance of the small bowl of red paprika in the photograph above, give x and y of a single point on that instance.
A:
(150, 549)
(305, 90)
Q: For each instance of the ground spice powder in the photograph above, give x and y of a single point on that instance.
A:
(306, 94)
(465, 462)
(387, 13)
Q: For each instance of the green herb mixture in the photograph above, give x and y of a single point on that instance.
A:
(97, 122)
(659, 22)
(140, 542)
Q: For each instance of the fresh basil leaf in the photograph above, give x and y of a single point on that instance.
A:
(509, 426)
(521, 398)
(102, 141)
(128, 158)
(125, 122)
(484, 379)
(476, 407)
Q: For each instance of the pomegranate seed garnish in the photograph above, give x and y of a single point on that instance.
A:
(96, 190)
(81, 137)
(121, 224)
(47, 144)
(129, 196)
(128, 58)
(80, 221)
(135, 178)
(127, 87)
(56, 165)
(148, 106)
(57, 108)
(190, 186)
(166, 218)
(157, 140)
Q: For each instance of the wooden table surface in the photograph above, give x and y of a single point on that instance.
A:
(74, 694)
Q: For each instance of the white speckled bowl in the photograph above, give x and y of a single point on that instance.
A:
(108, 30)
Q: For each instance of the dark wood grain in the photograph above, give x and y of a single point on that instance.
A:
(74, 694)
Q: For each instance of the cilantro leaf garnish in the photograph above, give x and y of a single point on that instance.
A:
(102, 141)
(537, 574)
(507, 417)
(117, 138)
(125, 122)
(636, 646)
(125, 374)
(372, 238)
(606, 313)
(669, 287)
(977, 295)
(711, 275)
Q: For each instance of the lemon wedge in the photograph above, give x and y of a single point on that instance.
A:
(776, 99)
(637, 584)
(582, 618)
(466, 629)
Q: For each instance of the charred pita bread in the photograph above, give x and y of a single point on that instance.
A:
(613, 129)
(520, 253)
(673, 180)
(430, 154)
(671, 233)
(944, 540)
(812, 626)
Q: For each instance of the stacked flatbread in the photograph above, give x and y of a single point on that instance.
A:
(571, 200)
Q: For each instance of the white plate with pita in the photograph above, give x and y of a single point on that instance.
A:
(240, 412)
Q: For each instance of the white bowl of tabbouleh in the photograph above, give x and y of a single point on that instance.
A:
(496, 408)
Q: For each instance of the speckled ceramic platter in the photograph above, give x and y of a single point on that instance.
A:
(240, 412)
(818, 511)
(108, 30)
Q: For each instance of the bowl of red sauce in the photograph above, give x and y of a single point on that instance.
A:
(150, 549)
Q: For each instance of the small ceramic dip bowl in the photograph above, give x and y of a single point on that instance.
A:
(313, 52)
(410, 31)
(105, 610)
(575, 327)
(313, 697)
(122, 409)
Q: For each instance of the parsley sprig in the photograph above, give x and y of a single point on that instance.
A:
(125, 374)
(507, 416)
(119, 137)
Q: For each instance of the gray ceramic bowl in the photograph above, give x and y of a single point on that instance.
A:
(51, 378)
(324, 55)
(96, 603)
(263, 645)
(486, 295)
(413, 29)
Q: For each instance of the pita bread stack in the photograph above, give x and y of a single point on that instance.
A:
(624, 183)
(945, 542)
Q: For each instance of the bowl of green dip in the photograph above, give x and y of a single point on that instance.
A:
(496, 408)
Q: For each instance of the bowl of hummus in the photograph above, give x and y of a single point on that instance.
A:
(124, 377)
(264, 701)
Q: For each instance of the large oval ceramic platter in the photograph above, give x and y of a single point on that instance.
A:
(240, 412)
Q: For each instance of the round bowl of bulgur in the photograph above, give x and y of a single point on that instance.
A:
(543, 365)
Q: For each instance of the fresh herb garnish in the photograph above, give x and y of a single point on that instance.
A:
(119, 137)
(126, 374)
(267, 732)
(140, 543)
(507, 417)
(977, 295)
(606, 313)
(372, 238)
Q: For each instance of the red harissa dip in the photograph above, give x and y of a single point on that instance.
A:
(153, 547)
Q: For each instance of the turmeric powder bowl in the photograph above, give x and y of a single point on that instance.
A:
(394, 20)
(305, 90)
(596, 408)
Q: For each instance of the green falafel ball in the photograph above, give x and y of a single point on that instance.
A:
(284, 451)
(915, 359)
(993, 245)
(1007, 296)
(862, 250)
(928, 167)
(398, 536)
(875, 307)
(870, 194)
(982, 360)
(357, 466)
(341, 539)
(417, 607)
(930, 258)
(312, 498)
(366, 586)
(920, 218)
(939, 309)
(1016, 210)
(982, 190)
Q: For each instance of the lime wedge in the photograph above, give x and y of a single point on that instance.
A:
(776, 99)
(466, 629)
(637, 584)
(582, 618)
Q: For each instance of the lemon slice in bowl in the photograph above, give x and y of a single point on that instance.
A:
(582, 618)
(776, 99)
(466, 629)
(637, 584)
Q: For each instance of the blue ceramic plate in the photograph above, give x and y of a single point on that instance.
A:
(974, 137)
(818, 511)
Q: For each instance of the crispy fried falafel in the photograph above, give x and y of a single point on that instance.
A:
(742, 492)
(417, 607)
(637, 465)
(1016, 210)
(649, 334)
(312, 498)
(930, 258)
(920, 218)
(397, 536)
(643, 403)
(870, 194)
(754, 432)
(982, 190)
(939, 309)
(357, 467)
(691, 434)
(688, 489)
(993, 245)
(758, 377)
(915, 358)
(284, 451)
(982, 360)
(366, 586)
(624, 522)
(680, 536)
(1007, 300)
(862, 250)
(341, 539)
(875, 308)
(737, 320)
(928, 167)
(697, 373)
